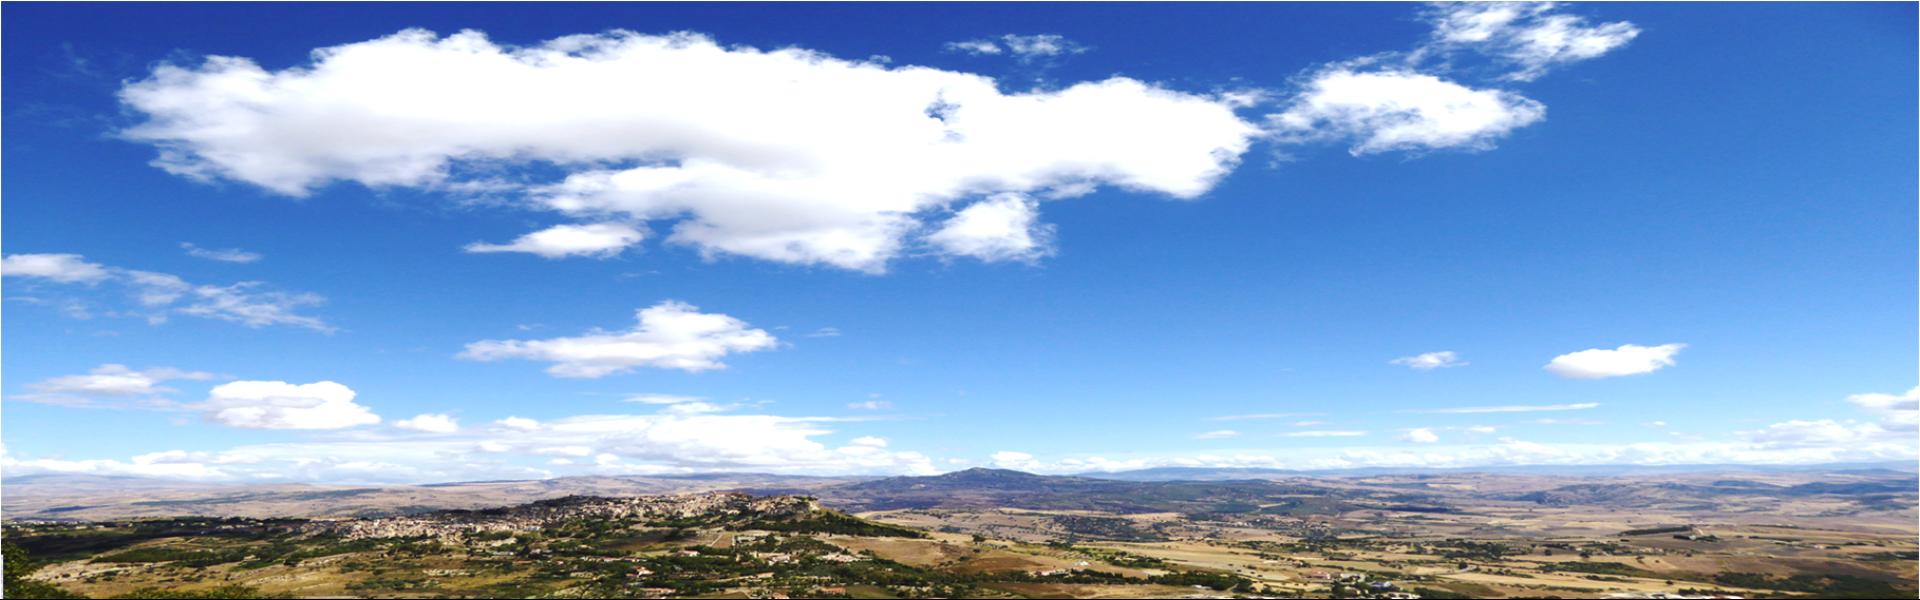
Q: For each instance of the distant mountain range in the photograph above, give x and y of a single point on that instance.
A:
(1217, 474)
(1169, 489)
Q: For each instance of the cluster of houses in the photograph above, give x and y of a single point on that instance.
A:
(1377, 589)
(1325, 577)
(454, 525)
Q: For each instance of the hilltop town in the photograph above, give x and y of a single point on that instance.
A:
(458, 525)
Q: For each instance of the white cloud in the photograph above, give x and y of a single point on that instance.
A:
(718, 441)
(1899, 421)
(1523, 35)
(694, 408)
(1390, 110)
(1321, 434)
(1627, 360)
(1399, 102)
(975, 47)
(1027, 48)
(1002, 228)
(670, 335)
(573, 451)
(869, 441)
(1897, 413)
(63, 268)
(1419, 436)
(1824, 432)
(430, 423)
(786, 155)
(825, 332)
(155, 289)
(1495, 409)
(117, 380)
(1215, 435)
(599, 240)
(1654, 424)
(280, 405)
(1018, 461)
(254, 309)
(13, 467)
(232, 255)
(176, 457)
(1041, 45)
(519, 424)
(159, 294)
(871, 405)
(1431, 361)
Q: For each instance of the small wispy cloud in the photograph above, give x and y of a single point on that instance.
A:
(1026, 48)
(871, 405)
(232, 255)
(1214, 435)
(975, 47)
(159, 294)
(825, 332)
(1497, 409)
(1419, 436)
(1431, 361)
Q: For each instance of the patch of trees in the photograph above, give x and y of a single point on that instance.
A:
(1598, 568)
(1215, 581)
(1110, 528)
(1826, 586)
(1466, 549)
(835, 523)
(1656, 530)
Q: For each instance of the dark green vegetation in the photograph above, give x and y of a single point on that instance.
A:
(828, 522)
(1657, 530)
(1597, 568)
(18, 567)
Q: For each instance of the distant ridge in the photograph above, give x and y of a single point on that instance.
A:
(1231, 473)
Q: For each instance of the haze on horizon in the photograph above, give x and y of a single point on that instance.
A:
(433, 243)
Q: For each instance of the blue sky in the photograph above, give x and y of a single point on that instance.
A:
(352, 244)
